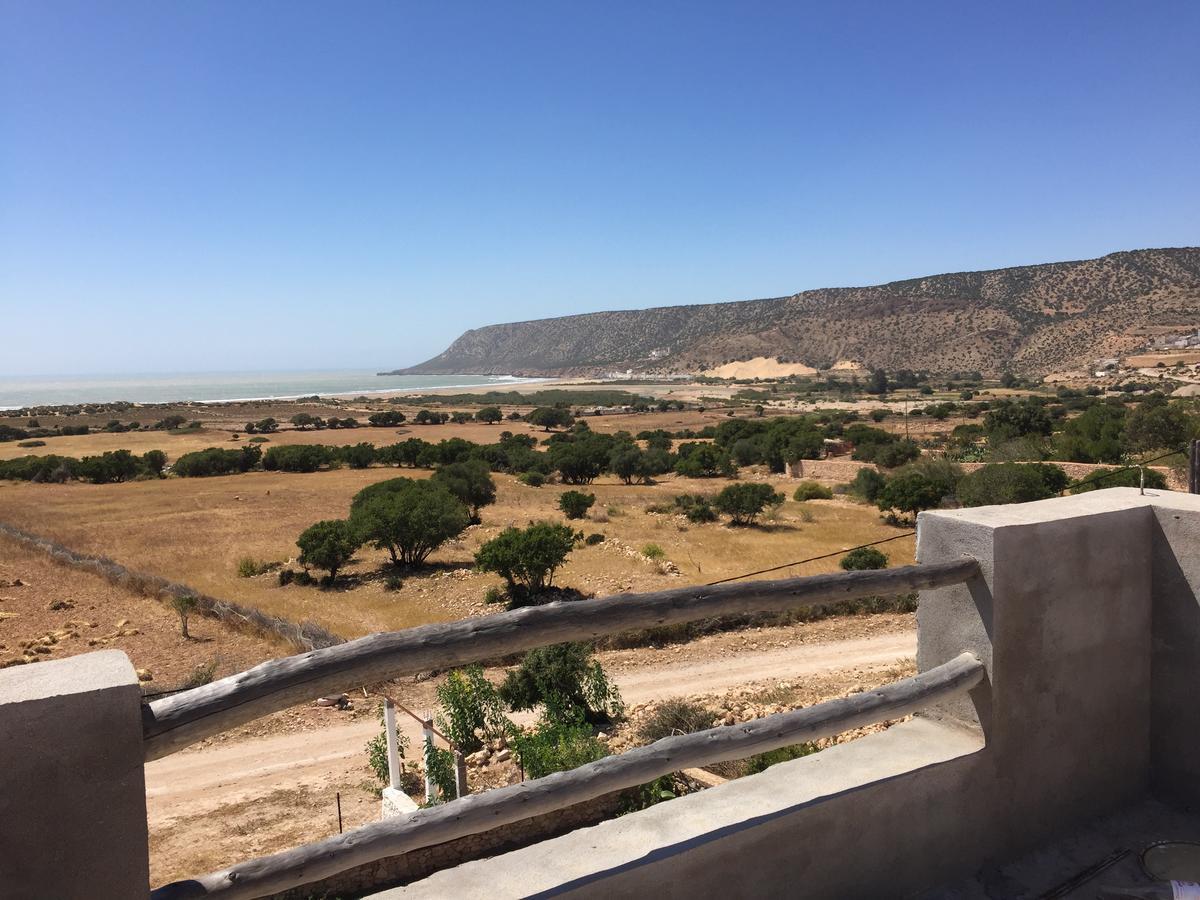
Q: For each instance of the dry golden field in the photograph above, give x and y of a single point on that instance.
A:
(195, 531)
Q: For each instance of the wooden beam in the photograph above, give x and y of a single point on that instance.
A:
(174, 722)
(502, 806)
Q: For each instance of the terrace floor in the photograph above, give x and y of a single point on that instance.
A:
(1092, 862)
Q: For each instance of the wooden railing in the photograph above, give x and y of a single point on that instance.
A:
(177, 721)
(174, 722)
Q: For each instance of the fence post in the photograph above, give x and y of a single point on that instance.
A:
(1194, 468)
(393, 749)
(427, 737)
(460, 775)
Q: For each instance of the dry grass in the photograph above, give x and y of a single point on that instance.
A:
(196, 531)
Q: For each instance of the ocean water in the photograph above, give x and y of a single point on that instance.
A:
(213, 387)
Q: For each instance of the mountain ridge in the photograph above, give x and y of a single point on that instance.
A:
(1031, 319)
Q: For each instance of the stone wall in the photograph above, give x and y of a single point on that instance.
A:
(418, 864)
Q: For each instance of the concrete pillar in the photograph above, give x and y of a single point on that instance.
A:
(73, 803)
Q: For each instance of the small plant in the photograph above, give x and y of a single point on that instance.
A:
(575, 504)
(653, 552)
(201, 675)
(393, 583)
(494, 595)
(377, 757)
(470, 708)
(532, 479)
(614, 511)
(258, 439)
(667, 787)
(594, 538)
(760, 762)
(248, 567)
(673, 717)
(811, 490)
(184, 605)
(555, 747)
(286, 576)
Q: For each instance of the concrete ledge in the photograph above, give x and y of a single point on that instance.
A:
(776, 809)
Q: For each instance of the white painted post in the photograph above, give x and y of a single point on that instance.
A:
(393, 747)
(427, 737)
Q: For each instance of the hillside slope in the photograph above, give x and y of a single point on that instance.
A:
(1028, 319)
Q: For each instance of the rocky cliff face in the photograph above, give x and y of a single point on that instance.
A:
(1029, 319)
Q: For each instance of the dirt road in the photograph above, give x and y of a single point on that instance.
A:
(193, 782)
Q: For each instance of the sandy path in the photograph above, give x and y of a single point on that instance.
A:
(192, 782)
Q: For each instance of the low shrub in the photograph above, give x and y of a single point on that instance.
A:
(594, 538)
(864, 558)
(575, 504)
(673, 717)
(653, 551)
(532, 479)
(811, 490)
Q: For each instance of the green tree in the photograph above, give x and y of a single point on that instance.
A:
(489, 415)
(1008, 420)
(1097, 435)
(1010, 482)
(386, 418)
(410, 519)
(909, 492)
(744, 503)
(630, 464)
(471, 482)
(879, 382)
(547, 417)
(575, 504)
(868, 484)
(567, 682)
(470, 706)
(527, 558)
(704, 461)
(1157, 424)
(154, 461)
(329, 545)
(863, 558)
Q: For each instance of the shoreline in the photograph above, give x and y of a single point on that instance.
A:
(511, 382)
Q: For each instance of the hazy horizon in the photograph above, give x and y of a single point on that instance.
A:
(284, 187)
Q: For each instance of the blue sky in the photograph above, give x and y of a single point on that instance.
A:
(227, 185)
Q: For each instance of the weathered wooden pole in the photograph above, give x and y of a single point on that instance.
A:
(393, 744)
(1194, 468)
(427, 736)
(460, 775)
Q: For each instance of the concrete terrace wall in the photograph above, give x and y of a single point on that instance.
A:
(1071, 593)
(1085, 614)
